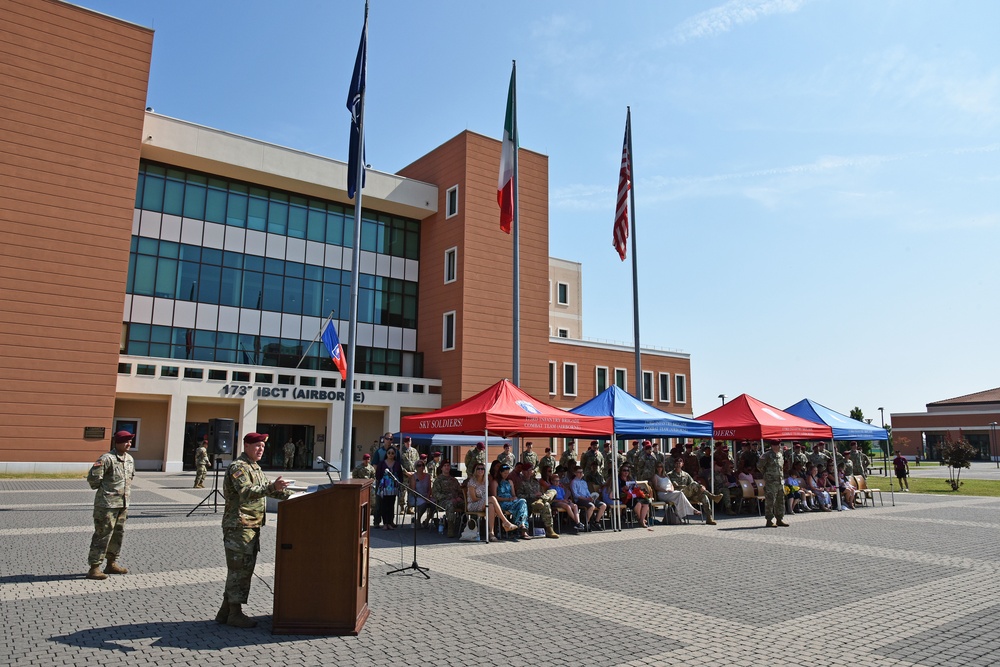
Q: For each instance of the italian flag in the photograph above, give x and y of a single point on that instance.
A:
(505, 186)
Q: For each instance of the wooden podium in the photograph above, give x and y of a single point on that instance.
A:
(321, 564)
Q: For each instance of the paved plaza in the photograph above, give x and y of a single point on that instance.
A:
(914, 584)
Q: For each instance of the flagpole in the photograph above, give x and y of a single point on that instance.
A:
(315, 338)
(352, 325)
(516, 320)
(635, 260)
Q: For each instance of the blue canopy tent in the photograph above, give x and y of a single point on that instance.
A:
(635, 419)
(844, 428)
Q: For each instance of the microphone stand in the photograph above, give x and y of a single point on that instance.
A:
(326, 468)
(414, 566)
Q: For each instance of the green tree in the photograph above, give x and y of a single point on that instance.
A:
(957, 454)
(857, 414)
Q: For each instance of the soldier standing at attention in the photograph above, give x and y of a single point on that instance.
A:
(547, 461)
(365, 470)
(434, 464)
(772, 464)
(201, 463)
(245, 489)
(111, 476)
(475, 456)
(506, 458)
(529, 457)
(289, 451)
(632, 453)
(568, 457)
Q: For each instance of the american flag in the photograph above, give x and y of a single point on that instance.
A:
(624, 185)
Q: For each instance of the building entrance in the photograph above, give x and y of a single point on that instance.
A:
(302, 437)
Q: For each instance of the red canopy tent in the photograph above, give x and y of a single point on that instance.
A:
(505, 410)
(746, 418)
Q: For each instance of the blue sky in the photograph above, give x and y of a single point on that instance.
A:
(817, 181)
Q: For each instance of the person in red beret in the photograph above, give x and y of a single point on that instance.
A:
(245, 489)
(111, 476)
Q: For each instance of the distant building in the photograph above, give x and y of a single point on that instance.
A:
(973, 417)
(157, 273)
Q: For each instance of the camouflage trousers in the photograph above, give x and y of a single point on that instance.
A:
(543, 510)
(453, 509)
(109, 529)
(696, 495)
(242, 545)
(199, 475)
(774, 500)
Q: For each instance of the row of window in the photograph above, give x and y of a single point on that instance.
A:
(198, 196)
(191, 273)
(569, 382)
(145, 340)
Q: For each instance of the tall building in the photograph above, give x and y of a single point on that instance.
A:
(159, 274)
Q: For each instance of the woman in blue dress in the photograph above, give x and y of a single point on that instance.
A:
(503, 490)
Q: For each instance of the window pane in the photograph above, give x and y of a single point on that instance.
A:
(293, 296)
(231, 282)
(253, 289)
(152, 193)
(187, 281)
(209, 283)
(173, 197)
(272, 293)
(145, 274)
(369, 235)
(166, 277)
(236, 211)
(331, 299)
(298, 218)
(312, 299)
(257, 214)
(215, 205)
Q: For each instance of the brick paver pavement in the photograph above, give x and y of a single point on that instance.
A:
(914, 584)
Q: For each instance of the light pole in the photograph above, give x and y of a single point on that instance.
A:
(723, 397)
(993, 439)
(885, 458)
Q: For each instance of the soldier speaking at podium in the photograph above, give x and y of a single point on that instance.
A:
(245, 489)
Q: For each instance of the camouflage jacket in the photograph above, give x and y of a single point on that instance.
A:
(529, 489)
(446, 488)
(201, 457)
(245, 489)
(548, 460)
(363, 471)
(531, 459)
(506, 459)
(408, 457)
(472, 457)
(772, 465)
(111, 476)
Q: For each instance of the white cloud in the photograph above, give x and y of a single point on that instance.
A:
(734, 13)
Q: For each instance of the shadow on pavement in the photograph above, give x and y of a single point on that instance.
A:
(39, 578)
(191, 635)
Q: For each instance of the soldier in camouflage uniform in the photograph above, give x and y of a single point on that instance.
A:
(693, 491)
(568, 457)
(201, 464)
(859, 459)
(631, 454)
(506, 458)
(433, 464)
(408, 457)
(529, 489)
(111, 476)
(595, 478)
(819, 457)
(529, 457)
(365, 470)
(798, 456)
(645, 463)
(772, 464)
(245, 489)
(592, 455)
(547, 461)
(447, 492)
(748, 456)
(473, 457)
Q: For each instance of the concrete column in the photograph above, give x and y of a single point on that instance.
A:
(391, 418)
(173, 455)
(333, 447)
(248, 421)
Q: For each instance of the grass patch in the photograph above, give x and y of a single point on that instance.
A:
(970, 487)
(42, 475)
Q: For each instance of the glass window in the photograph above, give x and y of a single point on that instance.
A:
(215, 204)
(209, 283)
(166, 277)
(621, 379)
(277, 217)
(194, 197)
(664, 387)
(236, 210)
(295, 269)
(397, 239)
(145, 274)
(338, 226)
(253, 263)
(448, 333)
(292, 302)
(647, 385)
(312, 298)
(450, 265)
(563, 294)
(569, 379)
(680, 388)
(173, 194)
(272, 293)
(412, 244)
(253, 290)
(369, 235)
(298, 217)
(601, 380)
(152, 192)
(552, 378)
(331, 299)
(451, 202)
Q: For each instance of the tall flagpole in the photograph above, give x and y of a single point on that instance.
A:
(516, 228)
(635, 260)
(358, 117)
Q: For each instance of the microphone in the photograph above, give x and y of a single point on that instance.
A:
(326, 464)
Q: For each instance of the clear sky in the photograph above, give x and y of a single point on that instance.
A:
(817, 181)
